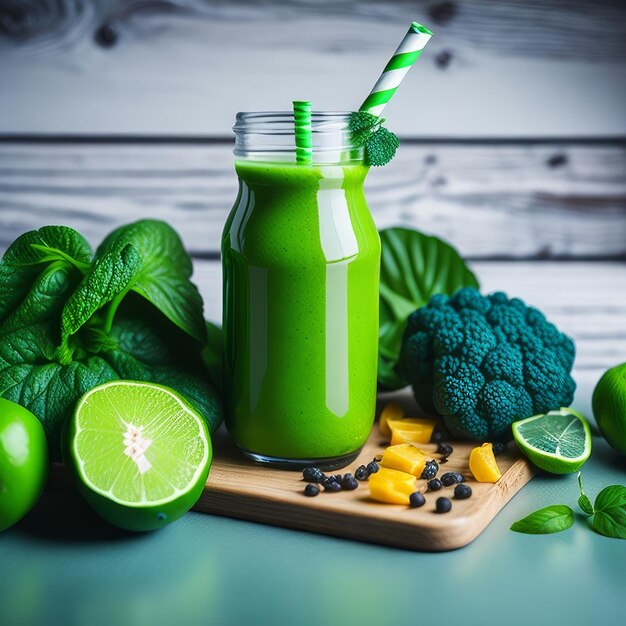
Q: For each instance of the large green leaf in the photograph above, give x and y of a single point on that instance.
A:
(29, 255)
(164, 276)
(414, 267)
(109, 278)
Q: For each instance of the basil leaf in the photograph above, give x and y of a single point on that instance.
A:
(414, 267)
(610, 512)
(165, 272)
(585, 504)
(29, 255)
(551, 519)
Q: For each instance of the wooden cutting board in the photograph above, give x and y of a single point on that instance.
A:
(240, 488)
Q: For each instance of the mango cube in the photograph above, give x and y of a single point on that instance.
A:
(405, 458)
(392, 411)
(411, 430)
(392, 486)
(483, 465)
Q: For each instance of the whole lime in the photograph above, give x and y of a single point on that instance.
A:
(23, 462)
(609, 407)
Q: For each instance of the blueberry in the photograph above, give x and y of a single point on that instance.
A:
(499, 447)
(312, 474)
(451, 478)
(445, 448)
(434, 484)
(462, 491)
(361, 473)
(311, 490)
(349, 482)
(443, 505)
(332, 486)
(372, 467)
(416, 499)
(430, 470)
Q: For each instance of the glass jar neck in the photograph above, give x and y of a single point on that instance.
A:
(270, 137)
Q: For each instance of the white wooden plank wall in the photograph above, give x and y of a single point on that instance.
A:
(184, 67)
(491, 201)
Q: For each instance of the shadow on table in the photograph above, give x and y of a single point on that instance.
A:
(62, 515)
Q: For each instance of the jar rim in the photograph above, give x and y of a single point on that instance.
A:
(246, 120)
(270, 135)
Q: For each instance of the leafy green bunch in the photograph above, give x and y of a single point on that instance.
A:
(71, 319)
(367, 131)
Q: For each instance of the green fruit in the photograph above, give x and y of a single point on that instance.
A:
(140, 453)
(23, 462)
(558, 442)
(609, 407)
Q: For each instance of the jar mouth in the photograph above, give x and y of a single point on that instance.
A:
(281, 122)
(270, 136)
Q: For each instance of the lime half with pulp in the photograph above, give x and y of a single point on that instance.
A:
(140, 453)
(558, 442)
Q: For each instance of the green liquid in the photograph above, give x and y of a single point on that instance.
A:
(301, 259)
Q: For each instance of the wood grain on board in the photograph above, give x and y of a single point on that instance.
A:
(505, 200)
(240, 488)
(184, 67)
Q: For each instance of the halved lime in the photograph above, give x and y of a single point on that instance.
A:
(558, 442)
(140, 453)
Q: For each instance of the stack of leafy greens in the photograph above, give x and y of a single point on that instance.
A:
(71, 319)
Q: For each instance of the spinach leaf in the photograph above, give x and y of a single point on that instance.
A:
(108, 279)
(414, 267)
(30, 254)
(163, 278)
(610, 512)
(49, 389)
(45, 299)
(551, 519)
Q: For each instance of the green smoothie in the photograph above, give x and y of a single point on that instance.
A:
(301, 258)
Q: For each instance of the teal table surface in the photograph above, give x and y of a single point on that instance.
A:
(61, 565)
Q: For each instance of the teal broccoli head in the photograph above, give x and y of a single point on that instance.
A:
(484, 362)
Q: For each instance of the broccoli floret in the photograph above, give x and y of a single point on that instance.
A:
(483, 362)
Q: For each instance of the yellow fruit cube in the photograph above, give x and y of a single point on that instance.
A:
(392, 486)
(483, 465)
(392, 411)
(404, 457)
(411, 430)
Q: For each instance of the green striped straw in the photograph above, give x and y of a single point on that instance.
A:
(304, 134)
(400, 63)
